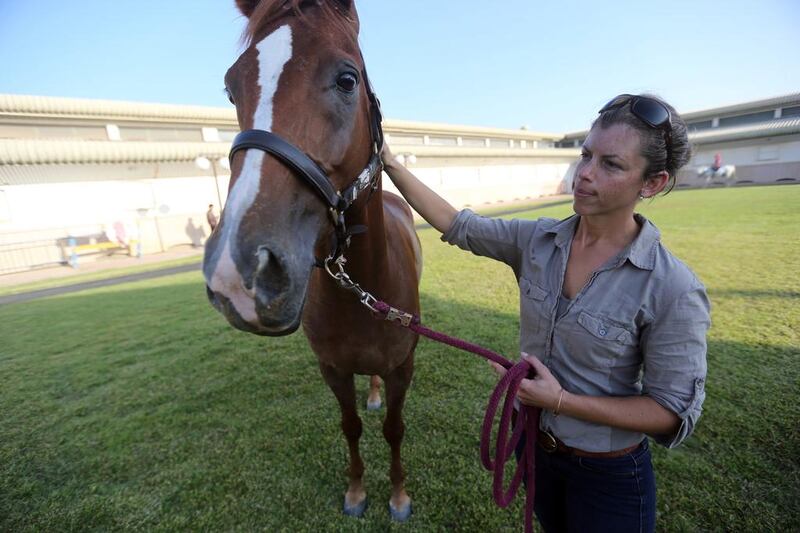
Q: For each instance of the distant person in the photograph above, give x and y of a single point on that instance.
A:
(120, 233)
(612, 322)
(211, 217)
(717, 163)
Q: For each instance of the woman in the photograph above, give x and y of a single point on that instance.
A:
(615, 325)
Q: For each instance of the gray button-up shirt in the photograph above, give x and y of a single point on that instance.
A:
(638, 326)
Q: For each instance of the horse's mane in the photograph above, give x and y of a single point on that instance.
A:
(267, 11)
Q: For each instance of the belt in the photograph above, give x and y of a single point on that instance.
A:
(551, 444)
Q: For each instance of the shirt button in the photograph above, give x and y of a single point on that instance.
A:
(603, 332)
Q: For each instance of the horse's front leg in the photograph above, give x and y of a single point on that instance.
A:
(343, 387)
(393, 430)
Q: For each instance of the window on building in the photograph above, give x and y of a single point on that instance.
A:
(473, 141)
(443, 141)
(500, 143)
(407, 139)
(16, 131)
(749, 118)
(227, 135)
(85, 133)
(791, 111)
(161, 134)
(768, 153)
(697, 126)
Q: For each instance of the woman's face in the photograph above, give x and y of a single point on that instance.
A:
(608, 179)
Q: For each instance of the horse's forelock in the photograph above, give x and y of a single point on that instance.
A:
(268, 11)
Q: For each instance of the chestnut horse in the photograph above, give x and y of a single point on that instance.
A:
(309, 119)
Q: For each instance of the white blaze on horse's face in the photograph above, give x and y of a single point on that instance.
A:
(274, 51)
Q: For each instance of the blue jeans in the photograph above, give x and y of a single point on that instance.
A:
(585, 494)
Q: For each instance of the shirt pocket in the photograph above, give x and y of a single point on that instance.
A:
(599, 342)
(534, 306)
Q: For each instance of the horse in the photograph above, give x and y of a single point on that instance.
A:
(311, 123)
(724, 172)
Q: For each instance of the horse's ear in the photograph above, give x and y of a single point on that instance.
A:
(247, 6)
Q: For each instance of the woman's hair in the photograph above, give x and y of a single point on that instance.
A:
(653, 140)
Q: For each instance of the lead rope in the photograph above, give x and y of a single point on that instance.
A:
(527, 422)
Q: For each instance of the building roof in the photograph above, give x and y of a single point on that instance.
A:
(43, 152)
(404, 136)
(791, 99)
(787, 100)
(784, 126)
(110, 110)
(12, 105)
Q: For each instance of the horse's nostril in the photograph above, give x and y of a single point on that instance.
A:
(271, 277)
(263, 258)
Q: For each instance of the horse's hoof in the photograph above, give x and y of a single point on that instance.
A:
(355, 510)
(400, 515)
(374, 406)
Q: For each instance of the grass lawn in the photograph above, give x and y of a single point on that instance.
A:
(138, 407)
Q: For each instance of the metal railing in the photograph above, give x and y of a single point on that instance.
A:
(29, 255)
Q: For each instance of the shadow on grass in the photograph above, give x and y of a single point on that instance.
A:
(754, 293)
(140, 408)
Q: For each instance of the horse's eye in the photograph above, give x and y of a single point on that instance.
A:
(230, 97)
(347, 82)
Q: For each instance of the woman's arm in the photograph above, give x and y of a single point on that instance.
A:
(433, 208)
(633, 413)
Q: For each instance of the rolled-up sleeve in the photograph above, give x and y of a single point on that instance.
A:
(675, 366)
(495, 238)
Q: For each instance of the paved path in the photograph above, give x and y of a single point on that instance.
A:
(75, 287)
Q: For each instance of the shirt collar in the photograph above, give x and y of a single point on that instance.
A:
(641, 252)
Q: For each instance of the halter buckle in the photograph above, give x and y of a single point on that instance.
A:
(402, 317)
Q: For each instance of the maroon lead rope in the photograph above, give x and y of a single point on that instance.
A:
(527, 419)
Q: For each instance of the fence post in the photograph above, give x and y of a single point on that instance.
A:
(73, 256)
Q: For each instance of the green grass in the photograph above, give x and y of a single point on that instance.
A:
(94, 276)
(138, 407)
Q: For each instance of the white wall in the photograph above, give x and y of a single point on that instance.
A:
(763, 151)
(162, 212)
(477, 185)
(166, 212)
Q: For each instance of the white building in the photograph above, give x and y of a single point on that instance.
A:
(760, 138)
(83, 175)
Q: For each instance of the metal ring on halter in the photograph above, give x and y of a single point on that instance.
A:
(346, 282)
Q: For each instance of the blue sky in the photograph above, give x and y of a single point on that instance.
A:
(548, 65)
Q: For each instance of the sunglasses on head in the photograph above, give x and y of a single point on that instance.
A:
(650, 111)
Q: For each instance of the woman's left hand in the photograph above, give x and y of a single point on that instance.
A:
(543, 390)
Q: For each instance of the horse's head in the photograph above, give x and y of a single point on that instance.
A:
(301, 77)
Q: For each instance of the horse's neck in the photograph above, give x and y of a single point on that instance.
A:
(367, 255)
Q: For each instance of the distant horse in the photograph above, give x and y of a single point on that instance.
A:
(725, 172)
(307, 158)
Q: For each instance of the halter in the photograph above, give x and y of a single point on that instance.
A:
(304, 167)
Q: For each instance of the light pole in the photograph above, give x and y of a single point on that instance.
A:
(205, 162)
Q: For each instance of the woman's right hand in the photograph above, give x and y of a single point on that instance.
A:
(387, 157)
(499, 369)
(433, 208)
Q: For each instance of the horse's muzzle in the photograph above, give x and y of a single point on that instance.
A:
(269, 295)
(267, 325)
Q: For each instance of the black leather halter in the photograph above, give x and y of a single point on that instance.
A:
(304, 167)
